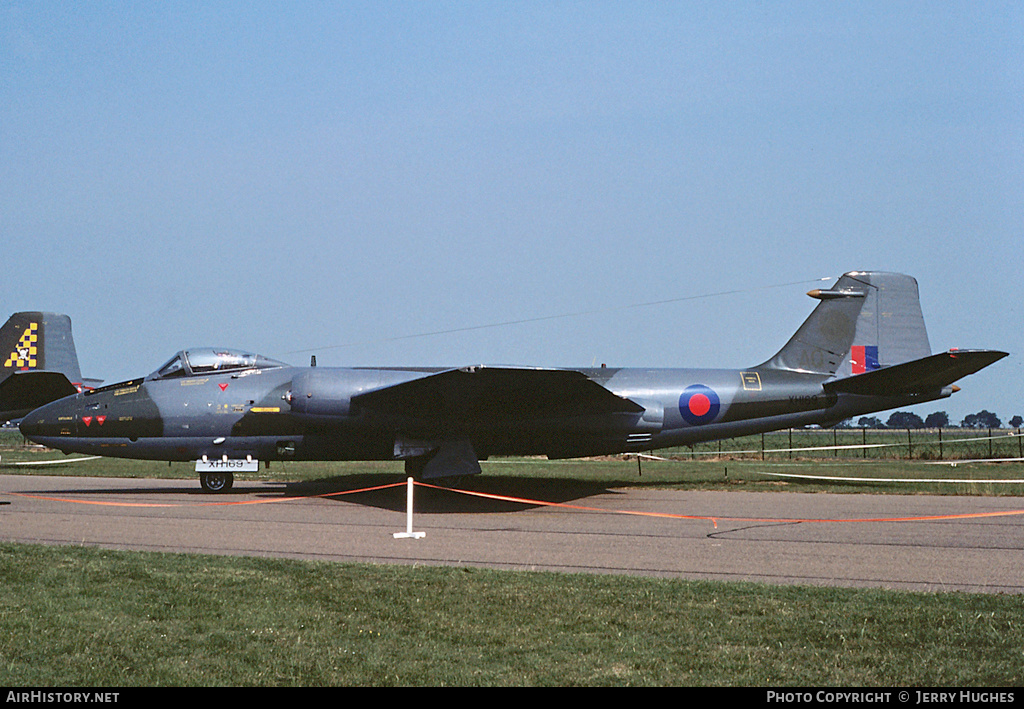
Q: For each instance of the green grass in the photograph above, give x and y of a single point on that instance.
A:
(86, 617)
(869, 444)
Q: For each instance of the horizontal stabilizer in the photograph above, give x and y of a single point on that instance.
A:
(920, 376)
(22, 392)
(497, 393)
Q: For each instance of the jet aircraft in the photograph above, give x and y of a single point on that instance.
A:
(864, 348)
(40, 364)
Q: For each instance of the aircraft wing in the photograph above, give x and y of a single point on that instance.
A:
(919, 376)
(490, 394)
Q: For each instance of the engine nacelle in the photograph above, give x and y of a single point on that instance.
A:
(320, 392)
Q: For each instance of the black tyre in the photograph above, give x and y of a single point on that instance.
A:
(216, 482)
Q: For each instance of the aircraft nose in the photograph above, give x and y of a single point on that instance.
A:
(30, 427)
(54, 419)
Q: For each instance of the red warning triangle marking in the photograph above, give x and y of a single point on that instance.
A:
(87, 420)
(223, 387)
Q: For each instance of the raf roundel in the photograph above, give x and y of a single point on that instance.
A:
(699, 404)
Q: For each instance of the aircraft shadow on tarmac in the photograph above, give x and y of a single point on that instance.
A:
(387, 492)
(451, 495)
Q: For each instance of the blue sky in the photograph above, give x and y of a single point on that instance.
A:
(328, 177)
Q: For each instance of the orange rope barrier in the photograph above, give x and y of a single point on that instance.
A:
(715, 519)
(200, 504)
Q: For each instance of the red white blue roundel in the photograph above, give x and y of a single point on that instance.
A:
(699, 404)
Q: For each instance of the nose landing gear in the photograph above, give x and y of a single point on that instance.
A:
(216, 482)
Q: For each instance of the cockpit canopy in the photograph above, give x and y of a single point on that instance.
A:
(212, 360)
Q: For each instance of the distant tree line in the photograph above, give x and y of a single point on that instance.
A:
(939, 419)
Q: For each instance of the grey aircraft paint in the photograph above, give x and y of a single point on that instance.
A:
(863, 349)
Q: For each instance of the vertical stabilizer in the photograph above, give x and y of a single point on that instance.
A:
(34, 341)
(865, 322)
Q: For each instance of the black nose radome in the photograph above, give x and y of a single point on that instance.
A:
(47, 421)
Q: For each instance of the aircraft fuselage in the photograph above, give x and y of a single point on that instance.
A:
(291, 413)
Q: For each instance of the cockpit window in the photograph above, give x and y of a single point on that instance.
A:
(175, 367)
(205, 361)
(209, 360)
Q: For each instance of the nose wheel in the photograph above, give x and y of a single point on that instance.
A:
(216, 482)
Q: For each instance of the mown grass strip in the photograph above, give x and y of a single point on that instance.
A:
(74, 616)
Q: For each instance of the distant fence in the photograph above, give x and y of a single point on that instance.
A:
(866, 443)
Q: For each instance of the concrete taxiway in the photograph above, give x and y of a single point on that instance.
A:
(912, 542)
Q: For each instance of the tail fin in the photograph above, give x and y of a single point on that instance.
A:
(37, 349)
(39, 341)
(866, 321)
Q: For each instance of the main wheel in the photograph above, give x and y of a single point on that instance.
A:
(216, 482)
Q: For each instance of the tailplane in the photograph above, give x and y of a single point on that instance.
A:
(866, 322)
(920, 377)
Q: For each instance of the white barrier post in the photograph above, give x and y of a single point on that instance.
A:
(408, 533)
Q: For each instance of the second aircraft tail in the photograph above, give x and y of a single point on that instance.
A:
(39, 362)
